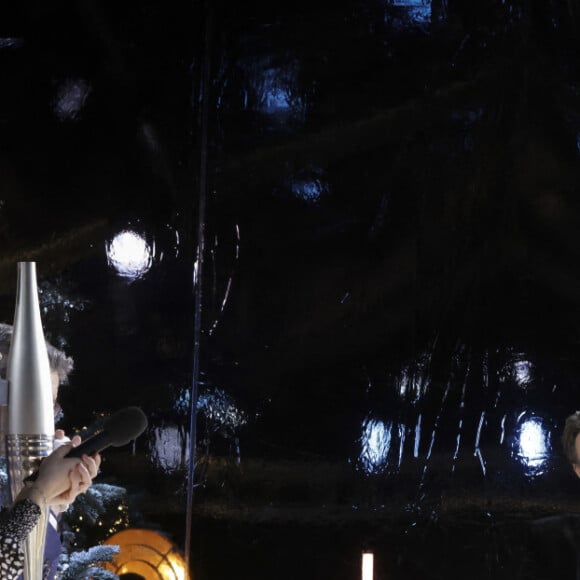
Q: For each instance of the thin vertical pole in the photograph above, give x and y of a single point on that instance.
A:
(198, 277)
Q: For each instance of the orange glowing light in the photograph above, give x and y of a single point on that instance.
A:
(148, 554)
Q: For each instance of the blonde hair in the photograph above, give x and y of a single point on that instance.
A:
(571, 430)
(59, 362)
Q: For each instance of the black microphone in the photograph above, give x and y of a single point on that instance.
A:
(117, 430)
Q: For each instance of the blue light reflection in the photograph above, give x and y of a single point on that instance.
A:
(71, 98)
(276, 100)
(10, 42)
(274, 92)
(309, 191)
(419, 11)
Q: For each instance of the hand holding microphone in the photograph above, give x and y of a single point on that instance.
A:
(60, 479)
(117, 430)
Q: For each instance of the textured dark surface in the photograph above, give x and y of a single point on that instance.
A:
(390, 279)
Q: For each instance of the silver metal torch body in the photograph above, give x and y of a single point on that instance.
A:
(30, 425)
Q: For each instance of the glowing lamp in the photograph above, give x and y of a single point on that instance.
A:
(146, 554)
(367, 565)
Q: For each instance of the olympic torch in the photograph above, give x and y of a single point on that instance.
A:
(30, 429)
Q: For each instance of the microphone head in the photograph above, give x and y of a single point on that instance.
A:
(125, 425)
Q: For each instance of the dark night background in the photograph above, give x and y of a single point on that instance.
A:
(389, 341)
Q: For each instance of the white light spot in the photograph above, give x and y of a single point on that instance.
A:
(367, 565)
(169, 448)
(533, 443)
(220, 409)
(376, 442)
(522, 372)
(130, 254)
(411, 382)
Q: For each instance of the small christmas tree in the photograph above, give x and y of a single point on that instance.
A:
(84, 564)
(92, 518)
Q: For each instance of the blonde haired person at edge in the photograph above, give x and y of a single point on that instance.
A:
(63, 479)
(571, 441)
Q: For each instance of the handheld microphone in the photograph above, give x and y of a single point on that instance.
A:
(117, 430)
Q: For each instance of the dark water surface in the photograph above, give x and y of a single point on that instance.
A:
(388, 288)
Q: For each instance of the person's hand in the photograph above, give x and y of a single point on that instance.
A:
(60, 479)
(54, 478)
(80, 478)
(60, 438)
